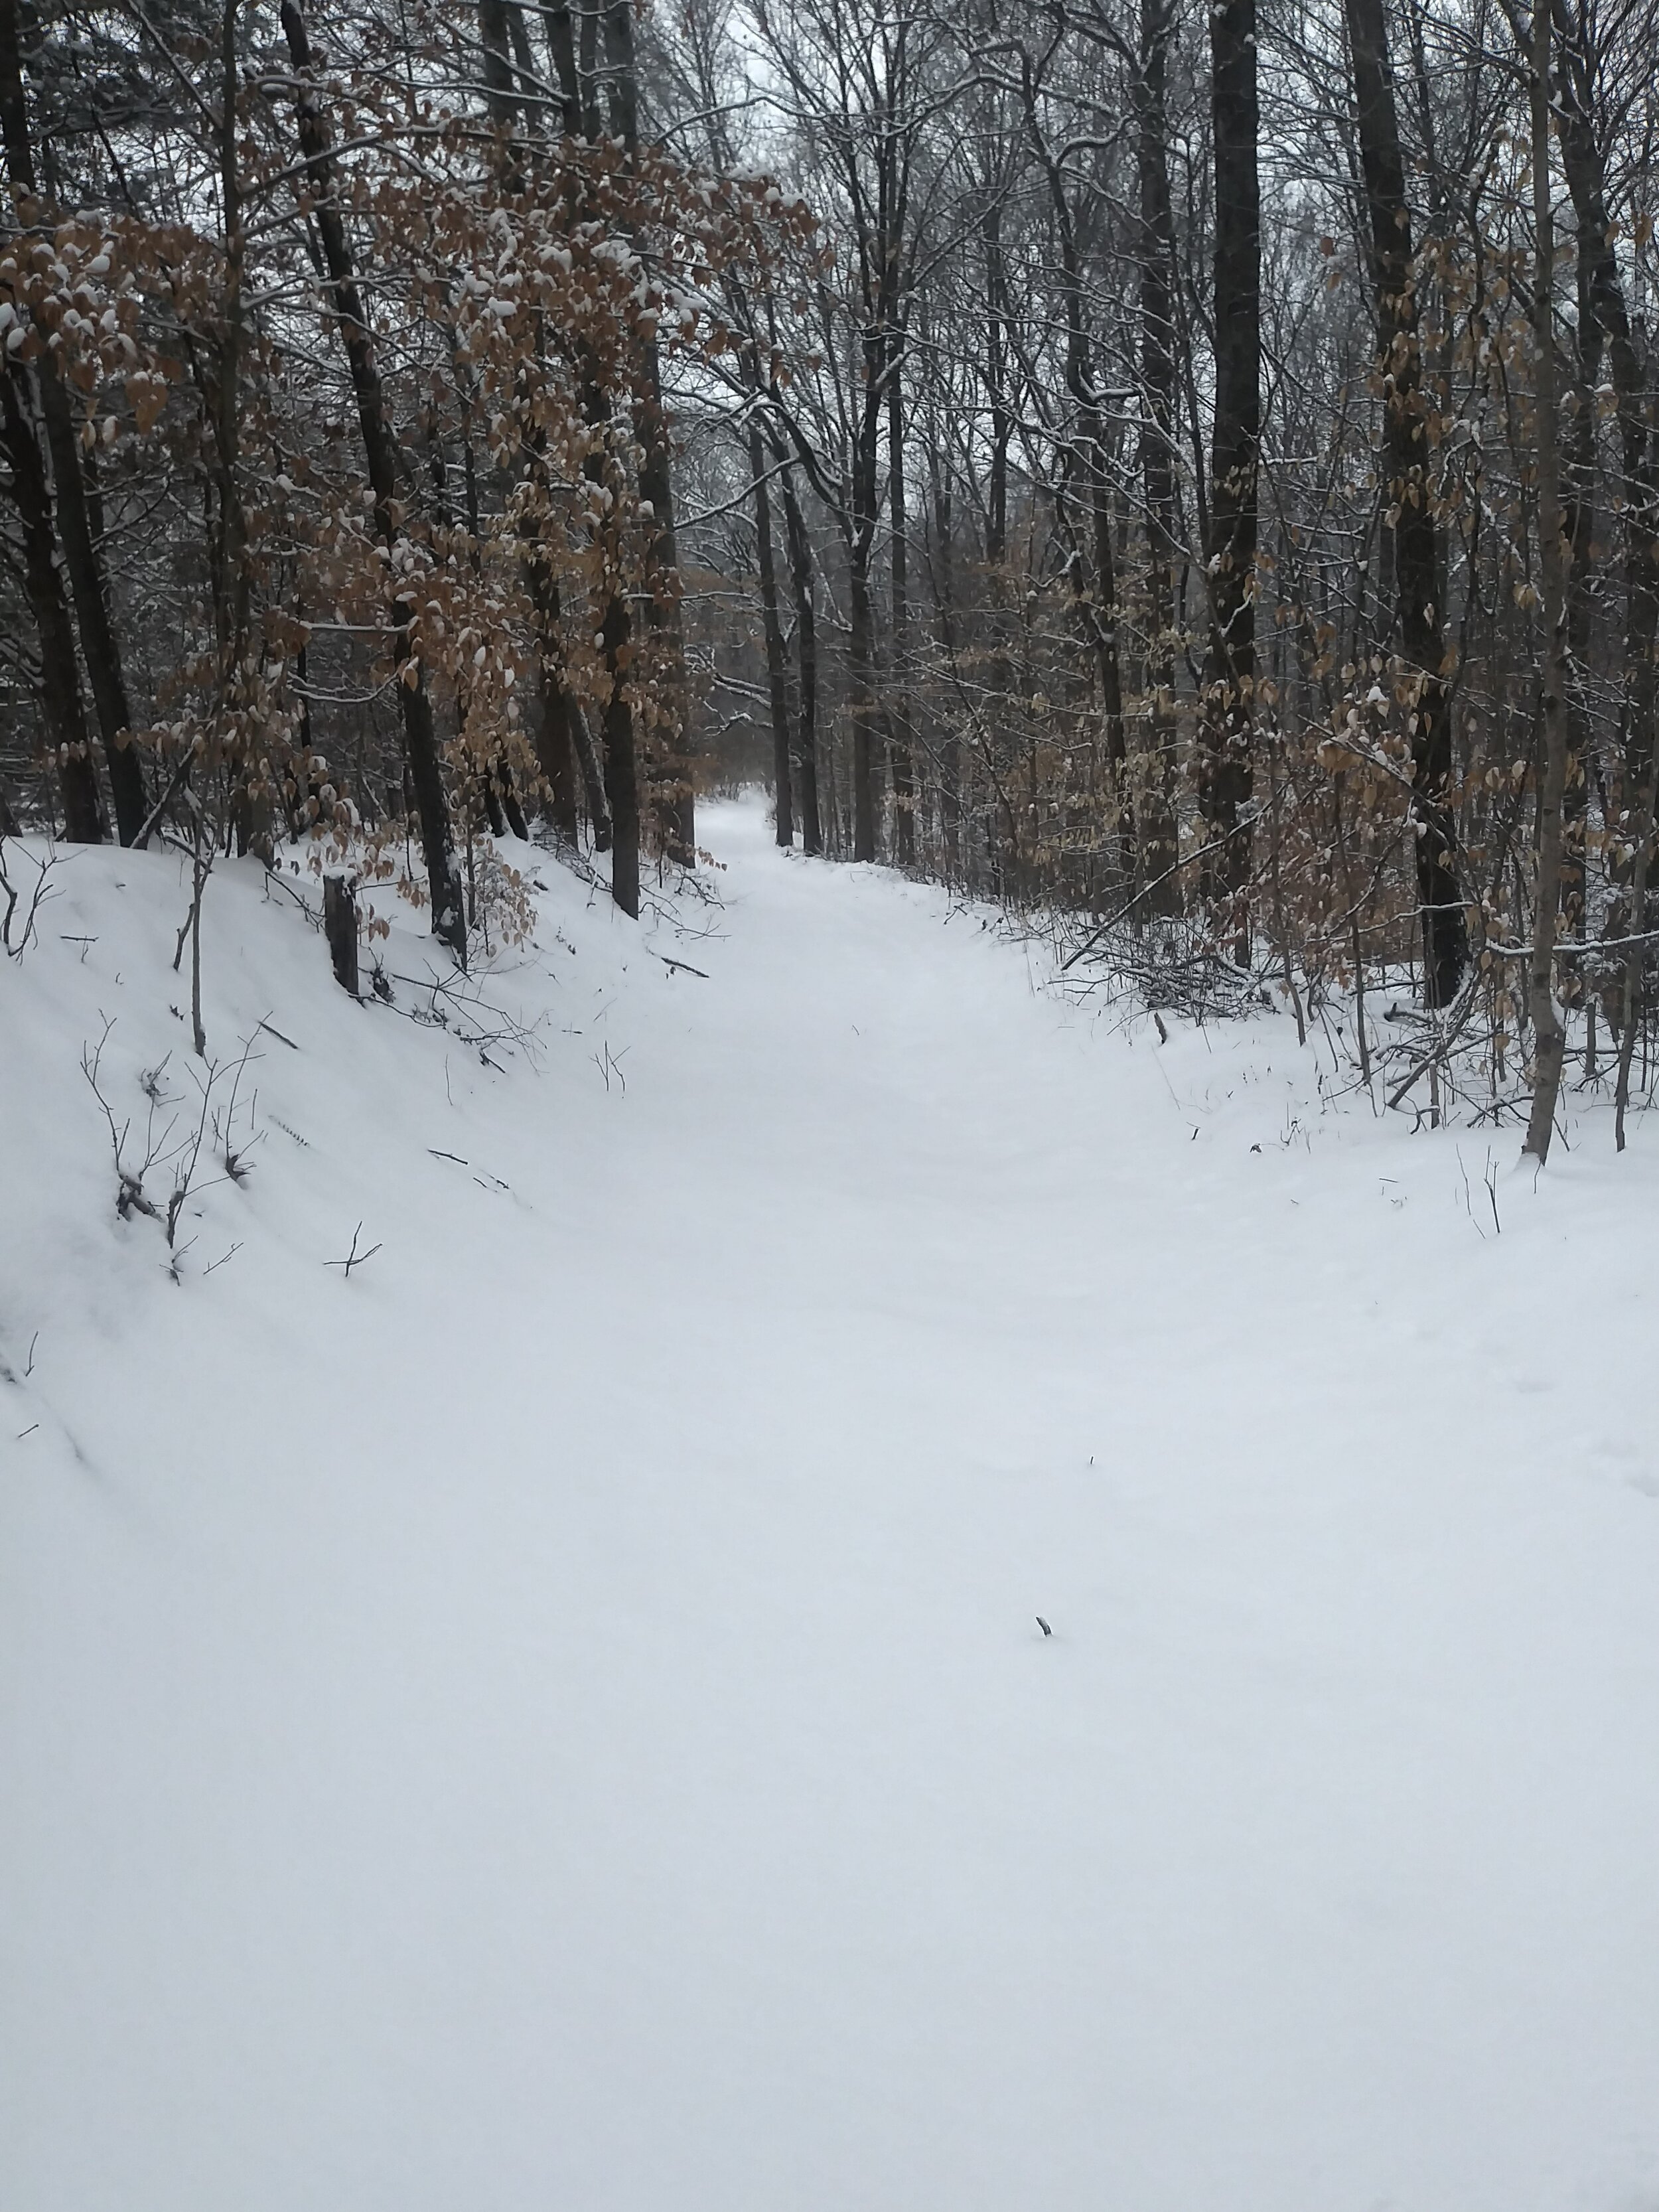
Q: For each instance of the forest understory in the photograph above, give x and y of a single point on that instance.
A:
(776, 1556)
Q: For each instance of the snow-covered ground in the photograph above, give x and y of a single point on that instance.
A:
(559, 1719)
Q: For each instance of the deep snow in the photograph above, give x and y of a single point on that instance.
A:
(559, 1719)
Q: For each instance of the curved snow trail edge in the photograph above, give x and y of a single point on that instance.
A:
(560, 1718)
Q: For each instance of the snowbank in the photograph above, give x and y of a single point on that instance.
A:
(557, 1716)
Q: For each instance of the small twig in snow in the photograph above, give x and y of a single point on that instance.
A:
(354, 1258)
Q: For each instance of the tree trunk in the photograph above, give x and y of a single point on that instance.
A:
(1096, 593)
(1224, 764)
(777, 682)
(613, 790)
(1419, 562)
(950, 792)
(656, 477)
(1583, 162)
(82, 557)
(1158, 840)
(806, 648)
(554, 750)
(863, 700)
(996, 381)
(904, 780)
(420, 735)
(62, 720)
(340, 929)
(622, 785)
(1549, 1039)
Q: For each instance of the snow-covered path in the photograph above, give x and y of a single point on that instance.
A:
(560, 1719)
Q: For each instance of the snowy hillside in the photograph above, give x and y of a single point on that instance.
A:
(558, 1717)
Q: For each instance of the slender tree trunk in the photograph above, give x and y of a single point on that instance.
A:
(593, 129)
(1549, 1039)
(904, 781)
(859, 523)
(806, 649)
(949, 789)
(1158, 839)
(1605, 315)
(62, 720)
(561, 44)
(565, 732)
(864, 699)
(613, 790)
(996, 384)
(1582, 526)
(82, 557)
(501, 92)
(656, 477)
(622, 784)
(1224, 763)
(555, 747)
(777, 680)
(1095, 592)
(255, 776)
(415, 703)
(1419, 562)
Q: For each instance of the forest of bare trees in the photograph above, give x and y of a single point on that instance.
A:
(1186, 476)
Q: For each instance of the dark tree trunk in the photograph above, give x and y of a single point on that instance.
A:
(510, 806)
(1419, 562)
(950, 793)
(904, 780)
(777, 680)
(622, 786)
(1584, 161)
(501, 92)
(613, 790)
(656, 477)
(74, 509)
(562, 44)
(1158, 840)
(592, 775)
(1579, 494)
(863, 702)
(806, 648)
(1549, 1033)
(1225, 765)
(555, 754)
(340, 928)
(996, 382)
(592, 128)
(1605, 310)
(62, 720)
(420, 734)
(1094, 582)
(555, 747)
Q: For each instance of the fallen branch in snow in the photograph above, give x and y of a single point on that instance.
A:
(1435, 1057)
(609, 1066)
(37, 898)
(465, 1003)
(354, 1258)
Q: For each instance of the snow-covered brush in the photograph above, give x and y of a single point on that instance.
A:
(183, 1158)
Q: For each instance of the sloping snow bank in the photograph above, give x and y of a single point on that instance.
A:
(559, 1719)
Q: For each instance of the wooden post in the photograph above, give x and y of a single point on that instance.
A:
(340, 928)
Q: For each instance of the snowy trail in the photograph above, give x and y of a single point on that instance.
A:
(561, 1720)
